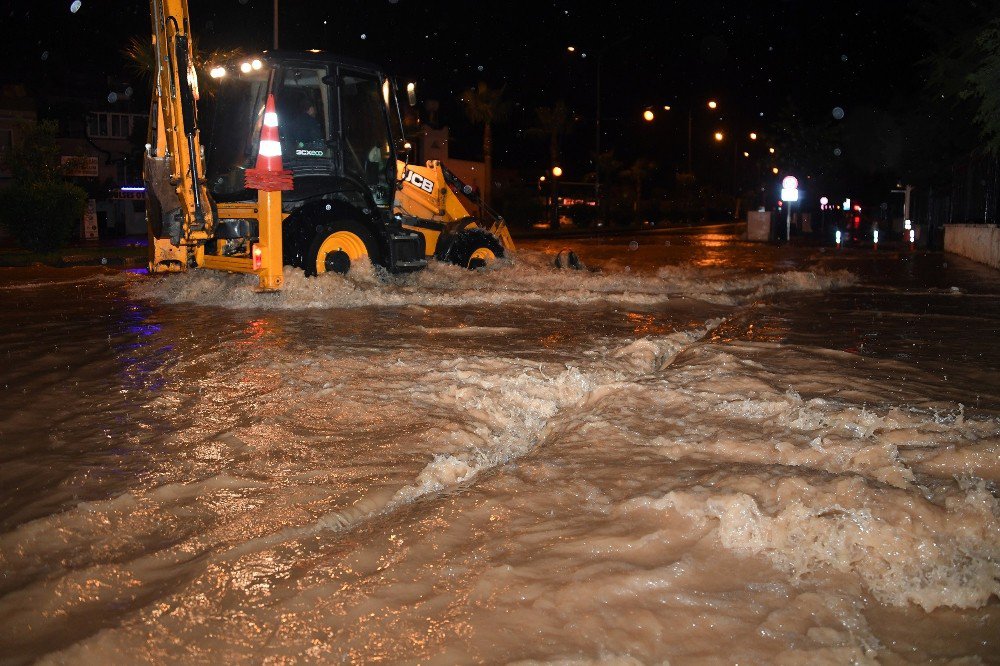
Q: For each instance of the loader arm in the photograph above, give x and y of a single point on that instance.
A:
(179, 210)
(434, 193)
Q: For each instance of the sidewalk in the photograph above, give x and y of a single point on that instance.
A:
(126, 252)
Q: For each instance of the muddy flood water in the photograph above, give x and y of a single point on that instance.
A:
(697, 451)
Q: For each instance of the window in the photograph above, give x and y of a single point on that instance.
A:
(111, 125)
(367, 149)
(302, 100)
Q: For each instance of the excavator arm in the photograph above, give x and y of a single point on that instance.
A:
(179, 210)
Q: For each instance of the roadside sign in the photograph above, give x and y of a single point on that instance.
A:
(90, 220)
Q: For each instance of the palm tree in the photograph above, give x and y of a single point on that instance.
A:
(484, 106)
(638, 173)
(553, 122)
(141, 58)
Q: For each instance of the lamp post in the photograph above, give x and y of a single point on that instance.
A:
(711, 104)
(597, 122)
(557, 173)
(597, 136)
(275, 25)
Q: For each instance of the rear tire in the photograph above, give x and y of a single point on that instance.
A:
(336, 247)
(474, 249)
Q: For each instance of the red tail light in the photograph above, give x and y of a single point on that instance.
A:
(257, 253)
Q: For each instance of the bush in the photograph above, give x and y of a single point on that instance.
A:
(42, 215)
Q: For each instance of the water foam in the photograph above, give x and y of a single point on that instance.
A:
(527, 277)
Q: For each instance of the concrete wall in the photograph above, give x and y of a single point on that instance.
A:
(979, 242)
(760, 225)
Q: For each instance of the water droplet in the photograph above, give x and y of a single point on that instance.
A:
(112, 97)
(843, 58)
(75, 6)
(837, 152)
(838, 113)
(45, 55)
(480, 68)
(364, 36)
(633, 246)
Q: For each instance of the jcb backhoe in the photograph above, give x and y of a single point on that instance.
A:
(305, 167)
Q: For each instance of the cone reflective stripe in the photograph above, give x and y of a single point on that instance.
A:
(269, 149)
(268, 174)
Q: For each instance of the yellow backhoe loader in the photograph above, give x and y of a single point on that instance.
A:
(304, 165)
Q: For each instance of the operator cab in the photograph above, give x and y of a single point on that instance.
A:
(338, 121)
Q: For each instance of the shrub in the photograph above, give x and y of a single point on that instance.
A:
(39, 208)
(42, 215)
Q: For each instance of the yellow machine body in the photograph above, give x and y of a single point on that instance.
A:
(183, 220)
(430, 193)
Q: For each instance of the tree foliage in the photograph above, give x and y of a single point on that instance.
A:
(552, 123)
(40, 208)
(964, 63)
(485, 106)
(983, 85)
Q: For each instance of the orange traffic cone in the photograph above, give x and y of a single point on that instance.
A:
(268, 174)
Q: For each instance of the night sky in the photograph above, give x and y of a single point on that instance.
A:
(757, 59)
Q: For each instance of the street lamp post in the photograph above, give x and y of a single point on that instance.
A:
(712, 104)
(597, 137)
(557, 173)
(275, 25)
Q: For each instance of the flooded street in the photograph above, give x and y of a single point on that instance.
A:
(697, 451)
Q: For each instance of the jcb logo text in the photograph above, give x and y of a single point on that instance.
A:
(417, 180)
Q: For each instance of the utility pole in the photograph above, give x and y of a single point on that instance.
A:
(690, 114)
(597, 137)
(275, 25)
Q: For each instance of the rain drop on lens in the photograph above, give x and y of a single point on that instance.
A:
(75, 7)
(838, 113)
(633, 246)
(837, 152)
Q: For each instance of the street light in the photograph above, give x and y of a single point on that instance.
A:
(648, 115)
(719, 136)
(557, 172)
(753, 136)
(712, 104)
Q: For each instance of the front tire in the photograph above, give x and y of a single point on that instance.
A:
(474, 249)
(338, 246)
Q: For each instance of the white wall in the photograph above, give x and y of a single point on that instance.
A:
(979, 242)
